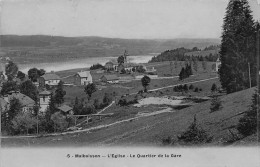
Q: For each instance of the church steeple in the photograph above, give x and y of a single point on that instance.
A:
(125, 56)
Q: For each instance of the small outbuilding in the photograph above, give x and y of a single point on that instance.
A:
(110, 78)
(65, 109)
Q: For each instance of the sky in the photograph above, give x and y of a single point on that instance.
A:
(148, 19)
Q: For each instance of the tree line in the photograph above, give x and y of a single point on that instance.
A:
(178, 54)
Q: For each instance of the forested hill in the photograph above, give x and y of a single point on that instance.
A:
(210, 53)
(143, 45)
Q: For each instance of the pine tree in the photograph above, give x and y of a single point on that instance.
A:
(237, 47)
(59, 94)
(248, 123)
(76, 107)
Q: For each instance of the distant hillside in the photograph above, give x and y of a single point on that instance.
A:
(42, 48)
(44, 40)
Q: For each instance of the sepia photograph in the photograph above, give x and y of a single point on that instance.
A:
(129, 83)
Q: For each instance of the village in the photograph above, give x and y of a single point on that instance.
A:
(117, 83)
(125, 91)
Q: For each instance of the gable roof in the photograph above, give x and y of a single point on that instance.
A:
(110, 62)
(45, 92)
(24, 100)
(50, 76)
(84, 74)
(110, 77)
(65, 108)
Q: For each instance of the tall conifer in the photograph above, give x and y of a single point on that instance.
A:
(237, 47)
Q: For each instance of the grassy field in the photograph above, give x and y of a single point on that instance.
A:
(136, 85)
(151, 130)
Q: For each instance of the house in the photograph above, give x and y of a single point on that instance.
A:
(127, 66)
(149, 69)
(111, 65)
(110, 78)
(44, 97)
(50, 79)
(83, 78)
(65, 109)
(218, 63)
(26, 102)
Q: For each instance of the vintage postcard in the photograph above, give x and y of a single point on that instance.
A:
(129, 83)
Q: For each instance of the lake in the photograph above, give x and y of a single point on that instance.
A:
(81, 63)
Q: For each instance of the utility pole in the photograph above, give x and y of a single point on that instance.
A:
(257, 77)
(249, 75)
(37, 123)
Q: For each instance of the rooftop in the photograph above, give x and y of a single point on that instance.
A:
(84, 74)
(111, 77)
(65, 108)
(45, 92)
(51, 76)
(24, 100)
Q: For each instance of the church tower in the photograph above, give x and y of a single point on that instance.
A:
(125, 56)
(45, 97)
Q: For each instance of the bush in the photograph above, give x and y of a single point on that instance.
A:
(106, 99)
(175, 89)
(122, 102)
(97, 104)
(60, 122)
(196, 89)
(185, 88)
(167, 141)
(215, 104)
(97, 66)
(248, 123)
(88, 109)
(191, 87)
(194, 135)
(200, 89)
(214, 87)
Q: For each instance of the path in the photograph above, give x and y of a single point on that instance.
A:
(170, 86)
(106, 107)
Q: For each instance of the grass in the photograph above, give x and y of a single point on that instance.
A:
(151, 130)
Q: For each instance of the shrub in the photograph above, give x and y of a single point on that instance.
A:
(60, 122)
(200, 89)
(167, 141)
(194, 135)
(175, 89)
(196, 89)
(97, 66)
(214, 87)
(96, 104)
(215, 104)
(106, 99)
(248, 123)
(89, 109)
(185, 88)
(191, 87)
(180, 87)
(122, 102)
